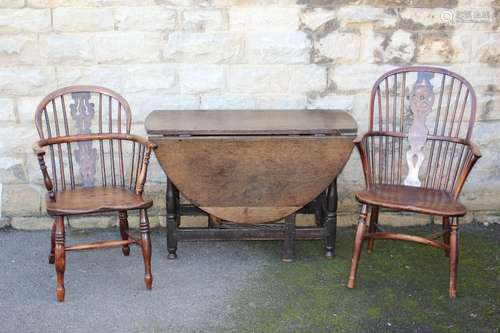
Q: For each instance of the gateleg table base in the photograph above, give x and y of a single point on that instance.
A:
(325, 210)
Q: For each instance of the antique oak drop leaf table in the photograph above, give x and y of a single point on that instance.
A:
(248, 168)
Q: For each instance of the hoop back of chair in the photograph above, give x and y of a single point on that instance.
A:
(89, 111)
(421, 117)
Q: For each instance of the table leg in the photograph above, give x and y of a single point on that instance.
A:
(173, 219)
(319, 210)
(289, 240)
(331, 218)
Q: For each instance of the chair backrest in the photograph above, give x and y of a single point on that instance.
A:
(425, 116)
(89, 111)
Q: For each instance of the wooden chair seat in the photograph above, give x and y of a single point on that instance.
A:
(95, 200)
(410, 198)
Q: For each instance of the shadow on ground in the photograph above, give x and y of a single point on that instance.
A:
(244, 287)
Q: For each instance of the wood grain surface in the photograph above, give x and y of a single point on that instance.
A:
(249, 122)
(252, 179)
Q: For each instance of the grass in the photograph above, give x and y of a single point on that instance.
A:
(401, 287)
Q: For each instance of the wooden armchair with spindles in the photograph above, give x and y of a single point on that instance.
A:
(416, 156)
(94, 166)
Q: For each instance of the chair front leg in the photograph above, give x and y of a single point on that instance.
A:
(358, 244)
(60, 257)
(52, 257)
(372, 227)
(146, 247)
(453, 257)
(124, 229)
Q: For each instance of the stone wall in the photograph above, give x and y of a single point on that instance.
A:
(243, 54)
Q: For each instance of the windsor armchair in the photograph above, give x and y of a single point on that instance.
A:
(409, 166)
(85, 129)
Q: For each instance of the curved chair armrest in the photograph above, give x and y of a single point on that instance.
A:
(39, 150)
(98, 136)
(473, 156)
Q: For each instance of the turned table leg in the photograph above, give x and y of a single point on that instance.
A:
(331, 218)
(173, 219)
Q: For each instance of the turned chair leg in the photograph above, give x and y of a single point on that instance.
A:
(446, 235)
(146, 247)
(60, 257)
(372, 228)
(124, 230)
(453, 257)
(52, 257)
(358, 244)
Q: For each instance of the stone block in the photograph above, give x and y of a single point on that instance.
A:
(26, 80)
(435, 48)
(203, 20)
(26, 107)
(70, 49)
(355, 15)
(13, 171)
(358, 77)
(151, 77)
(425, 18)
(32, 223)
(7, 110)
(218, 47)
(277, 48)
(24, 20)
(265, 79)
(119, 47)
(12, 4)
(81, 19)
(399, 48)
(20, 141)
(228, 101)
(338, 47)
(201, 79)
(21, 49)
(20, 200)
(144, 102)
(151, 18)
(283, 102)
(486, 48)
(331, 102)
(307, 78)
(316, 17)
(264, 19)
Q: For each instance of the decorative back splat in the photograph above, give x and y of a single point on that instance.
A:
(82, 112)
(421, 100)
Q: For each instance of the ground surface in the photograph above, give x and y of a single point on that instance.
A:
(243, 287)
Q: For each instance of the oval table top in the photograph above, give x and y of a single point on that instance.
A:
(259, 169)
(249, 122)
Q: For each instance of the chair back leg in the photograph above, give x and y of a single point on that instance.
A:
(446, 233)
(358, 244)
(122, 215)
(60, 257)
(453, 260)
(146, 247)
(372, 227)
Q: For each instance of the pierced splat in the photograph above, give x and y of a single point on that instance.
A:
(82, 112)
(421, 100)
